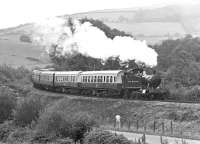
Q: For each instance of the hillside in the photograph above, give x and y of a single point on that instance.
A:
(152, 25)
(16, 53)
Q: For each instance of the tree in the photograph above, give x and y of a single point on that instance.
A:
(179, 61)
(112, 63)
(110, 33)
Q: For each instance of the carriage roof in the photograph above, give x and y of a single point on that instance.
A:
(110, 72)
(67, 72)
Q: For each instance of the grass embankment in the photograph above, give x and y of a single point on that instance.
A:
(184, 117)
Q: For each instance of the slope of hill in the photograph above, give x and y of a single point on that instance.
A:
(152, 25)
(16, 53)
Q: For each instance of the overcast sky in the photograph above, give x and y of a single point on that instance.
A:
(15, 12)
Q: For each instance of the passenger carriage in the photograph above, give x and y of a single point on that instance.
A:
(101, 79)
(66, 79)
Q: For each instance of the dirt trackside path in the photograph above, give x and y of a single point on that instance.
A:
(154, 139)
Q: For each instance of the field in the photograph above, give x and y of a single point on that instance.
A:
(15, 53)
(185, 117)
(152, 32)
(150, 28)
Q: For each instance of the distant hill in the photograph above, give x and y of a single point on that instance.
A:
(153, 25)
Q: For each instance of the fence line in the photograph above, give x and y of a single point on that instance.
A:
(156, 127)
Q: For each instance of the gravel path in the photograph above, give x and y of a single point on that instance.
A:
(154, 139)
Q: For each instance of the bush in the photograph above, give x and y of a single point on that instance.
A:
(185, 94)
(194, 93)
(7, 103)
(5, 129)
(105, 137)
(28, 111)
(8, 73)
(20, 135)
(25, 38)
(54, 123)
(82, 122)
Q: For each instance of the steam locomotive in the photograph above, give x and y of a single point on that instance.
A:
(107, 83)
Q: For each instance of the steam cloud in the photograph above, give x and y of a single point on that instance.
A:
(90, 40)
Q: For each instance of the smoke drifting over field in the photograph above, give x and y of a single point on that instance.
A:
(90, 40)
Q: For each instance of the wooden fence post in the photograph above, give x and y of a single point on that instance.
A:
(114, 124)
(145, 127)
(161, 140)
(171, 125)
(163, 127)
(154, 126)
(129, 124)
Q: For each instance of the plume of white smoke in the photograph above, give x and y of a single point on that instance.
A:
(90, 40)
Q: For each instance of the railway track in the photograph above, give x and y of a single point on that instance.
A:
(90, 96)
(117, 98)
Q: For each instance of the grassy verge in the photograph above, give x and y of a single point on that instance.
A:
(182, 117)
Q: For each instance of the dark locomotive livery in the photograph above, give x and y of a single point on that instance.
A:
(96, 83)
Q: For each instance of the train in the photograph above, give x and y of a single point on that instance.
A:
(104, 83)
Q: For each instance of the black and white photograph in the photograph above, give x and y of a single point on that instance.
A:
(100, 72)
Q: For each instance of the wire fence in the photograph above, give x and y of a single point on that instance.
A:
(157, 127)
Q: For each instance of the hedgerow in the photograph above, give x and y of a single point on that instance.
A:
(7, 103)
(28, 110)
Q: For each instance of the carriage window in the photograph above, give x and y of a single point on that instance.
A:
(86, 79)
(107, 79)
(95, 78)
(114, 79)
(101, 78)
(89, 79)
(111, 79)
(104, 79)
